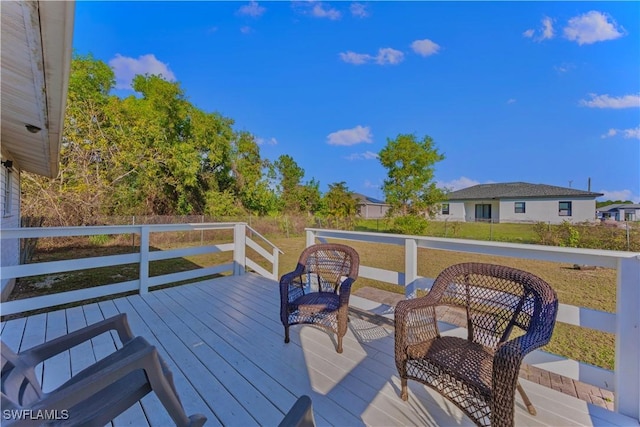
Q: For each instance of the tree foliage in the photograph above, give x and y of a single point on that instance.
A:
(410, 188)
(155, 153)
(339, 201)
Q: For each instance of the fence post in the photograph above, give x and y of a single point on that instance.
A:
(311, 238)
(627, 361)
(239, 249)
(276, 261)
(144, 259)
(410, 267)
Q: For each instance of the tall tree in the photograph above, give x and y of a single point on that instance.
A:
(339, 201)
(290, 175)
(410, 188)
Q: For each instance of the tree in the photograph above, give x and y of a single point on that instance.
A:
(290, 175)
(339, 201)
(410, 189)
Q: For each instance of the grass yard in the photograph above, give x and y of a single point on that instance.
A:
(594, 289)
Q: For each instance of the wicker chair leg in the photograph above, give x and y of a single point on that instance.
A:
(286, 334)
(527, 402)
(404, 394)
(339, 349)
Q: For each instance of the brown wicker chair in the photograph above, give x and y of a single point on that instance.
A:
(318, 291)
(480, 373)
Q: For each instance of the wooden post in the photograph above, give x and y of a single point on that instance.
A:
(311, 238)
(627, 362)
(144, 259)
(239, 249)
(275, 264)
(410, 267)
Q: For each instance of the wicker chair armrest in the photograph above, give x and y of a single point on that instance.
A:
(415, 323)
(345, 290)
(50, 348)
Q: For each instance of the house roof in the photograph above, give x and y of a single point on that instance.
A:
(36, 60)
(511, 190)
(617, 206)
(368, 200)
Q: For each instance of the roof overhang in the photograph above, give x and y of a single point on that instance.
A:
(36, 60)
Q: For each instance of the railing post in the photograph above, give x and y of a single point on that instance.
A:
(627, 362)
(410, 267)
(239, 249)
(144, 259)
(276, 261)
(311, 238)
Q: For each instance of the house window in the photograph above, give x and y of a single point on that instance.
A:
(519, 207)
(445, 209)
(8, 185)
(564, 208)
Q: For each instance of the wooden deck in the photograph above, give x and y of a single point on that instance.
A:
(223, 340)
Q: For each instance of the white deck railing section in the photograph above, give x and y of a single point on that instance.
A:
(625, 323)
(624, 382)
(241, 239)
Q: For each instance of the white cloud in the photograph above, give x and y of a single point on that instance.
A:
(620, 195)
(457, 184)
(319, 10)
(511, 101)
(425, 47)
(386, 55)
(270, 141)
(547, 28)
(565, 67)
(355, 58)
(359, 10)
(545, 33)
(352, 136)
(367, 155)
(252, 9)
(592, 27)
(606, 101)
(633, 133)
(126, 68)
(246, 29)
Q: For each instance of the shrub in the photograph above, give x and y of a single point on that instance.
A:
(410, 224)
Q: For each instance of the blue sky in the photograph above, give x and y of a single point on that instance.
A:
(541, 92)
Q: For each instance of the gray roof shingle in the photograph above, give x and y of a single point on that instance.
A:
(510, 190)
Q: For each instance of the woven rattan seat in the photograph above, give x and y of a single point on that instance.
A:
(508, 313)
(318, 290)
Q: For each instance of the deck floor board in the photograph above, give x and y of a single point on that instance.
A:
(224, 343)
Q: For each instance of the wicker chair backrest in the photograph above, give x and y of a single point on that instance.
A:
(326, 265)
(496, 299)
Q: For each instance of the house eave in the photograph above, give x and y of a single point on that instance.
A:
(36, 61)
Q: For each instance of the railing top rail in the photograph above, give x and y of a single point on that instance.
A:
(26, 232)
(451, 243)
(264, 238)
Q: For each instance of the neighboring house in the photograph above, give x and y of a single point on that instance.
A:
(370, 208)
(619, 212)
(36, 39)
(519, 202)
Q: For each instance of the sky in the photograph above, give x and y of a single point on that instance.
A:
(539, 92)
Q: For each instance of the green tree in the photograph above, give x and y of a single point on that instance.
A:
(251, 184)
(410, 188)
(339, 201)
(290, 175)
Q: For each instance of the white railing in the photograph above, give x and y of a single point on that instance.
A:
(142, 257)
(625, 323)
